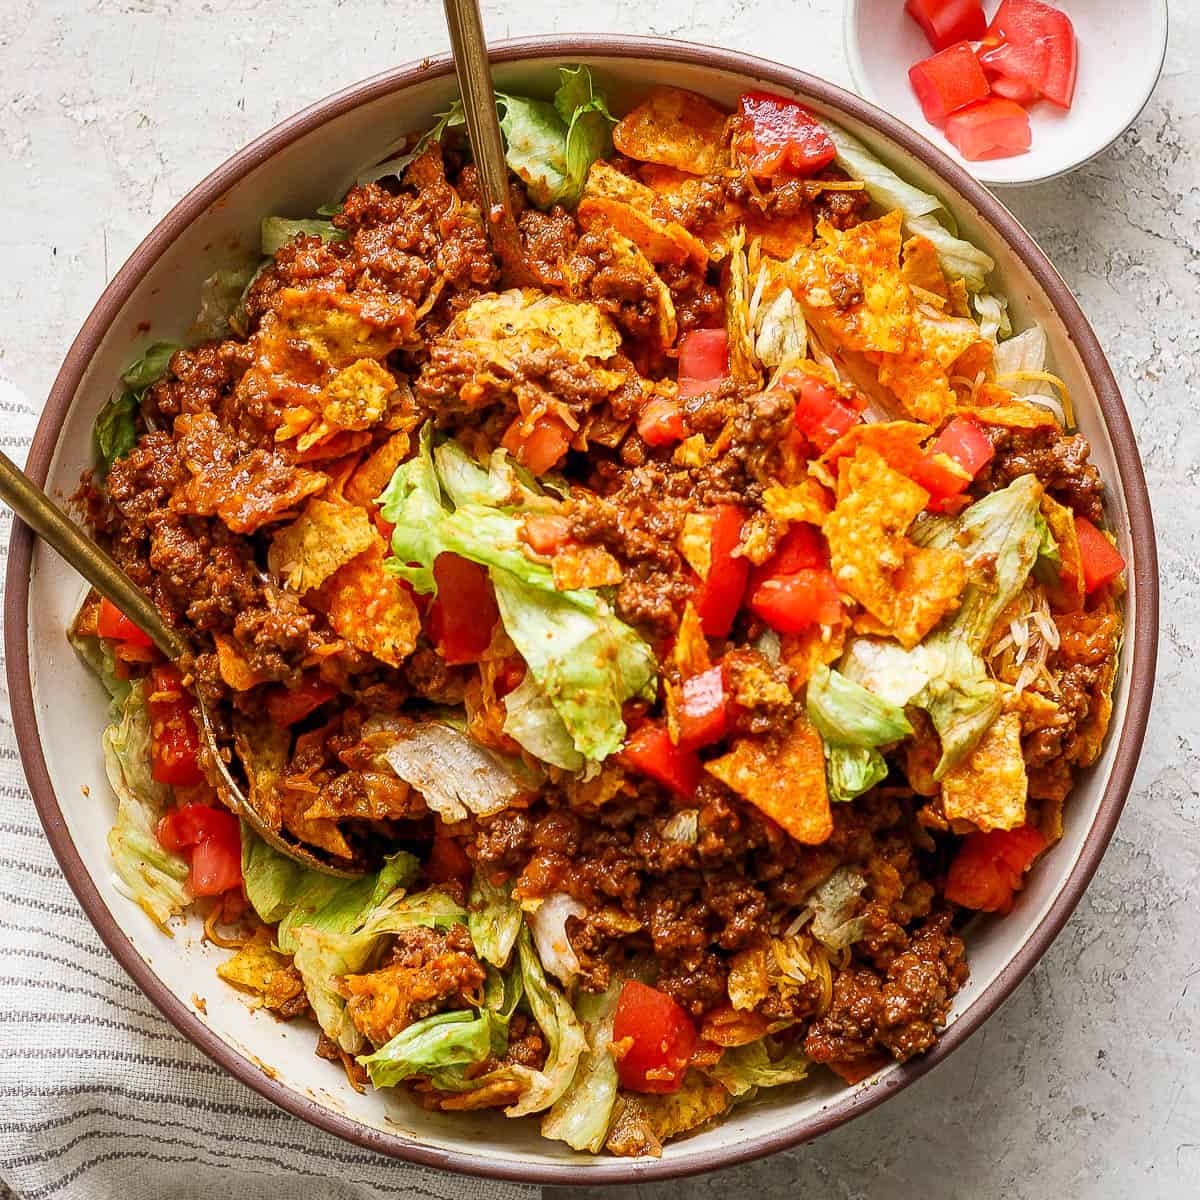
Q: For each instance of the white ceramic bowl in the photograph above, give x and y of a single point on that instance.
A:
(1121, 51)
(59, 711)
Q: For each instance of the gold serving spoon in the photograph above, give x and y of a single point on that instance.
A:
(483, 130)
(59, 532)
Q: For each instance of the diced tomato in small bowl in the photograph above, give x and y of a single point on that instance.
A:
(992, 128)
(948, 81)
(945, 22)
(1033, 44)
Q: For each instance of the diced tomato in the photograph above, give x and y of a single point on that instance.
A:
(784, 137)
(958, 454)
(791, 603)
(949, 80)
(212, 839)
(1016, 90)
(799, 549)
(464, 614)
(286, 706)
(509, 675)
(1102, 561)
(112, 623)
(990, 867)
(1034, 43)
(948, 21)
(385, 527)
(987, 129)
(718, 598)
(447, 861)
(654, 1037)
(650, 751)
(545, 533)
(175, 740)
(661, 422)
(821, 414)
(701, 714)
(703, 360)
(539, 446)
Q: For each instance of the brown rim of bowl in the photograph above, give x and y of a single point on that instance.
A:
(1142, 662)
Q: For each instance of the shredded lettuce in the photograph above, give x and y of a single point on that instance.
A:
(585, 660)
(582, 1114)
(534, 722)
(115, 429)
(149, 368)
(155, 878)
(457, 776)
(924, 214)
(992, 312)
(435, 1044)
(548, 924)
(220, 298)
(781, 332)
(276, 232)
(99, 654)
(561, 1028)
(494, 919)
(852, 722)
(835, 905)
(453, 118)
(742, 1068)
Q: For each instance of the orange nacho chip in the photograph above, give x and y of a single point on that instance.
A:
(1066, 594)
(928, 586)
(922, 268)
(355, 399)
(899, 443)
(676, 128)
(617, 204)
(690, 651)
(371, 609)
(321, 540)
(1015, 414)
(818, 645)
(375, 472)
(783, 778)
(233, 666)
(806, 501)
(988, 789)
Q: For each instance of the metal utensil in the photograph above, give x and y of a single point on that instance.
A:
(59, 532)
(483, 129)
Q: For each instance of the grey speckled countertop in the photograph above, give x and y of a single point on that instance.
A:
(1087, 1083)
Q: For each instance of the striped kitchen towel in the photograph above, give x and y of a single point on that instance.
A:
(100, 1097)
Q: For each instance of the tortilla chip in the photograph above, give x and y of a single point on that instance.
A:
(322, 539)
(989, 787)
(695, 541)
(630, 261)
(1089, 738)
(698, 1100)
(263, 748)
(743, 365)
(922, 753)
(782, 778)
(615, 203)
(578, 327)
(690, 652)
(259, 968)
(1066, 593)
(376, 470)
(867, 625)
(919, 375)
(921, 267)
(749, 982)
(781, 236)
(338, 328)
(898, 442)
(1015, 414)
(960, 304)
(807, 501)
(233, 667)
(676, 128)
(371, 609)
(803, 652)
(577, 566)
(335, 444)
(355, 399)
(928, 586)
(866, 532)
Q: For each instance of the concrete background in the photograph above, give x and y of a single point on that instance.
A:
(1087, 1083)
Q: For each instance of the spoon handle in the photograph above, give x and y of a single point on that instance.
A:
(55, 528)
(483, 128)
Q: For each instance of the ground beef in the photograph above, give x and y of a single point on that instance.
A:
(898, 1010)
(1059, 461)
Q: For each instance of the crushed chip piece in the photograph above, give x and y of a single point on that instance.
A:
(357, 396)
(749, 982)
(743, 362)
(676, 128)
(614, 203)
(1015, 414)
(898, 442)
(577, 566)
(323, 538)
(336, 327)
(371, 610)
(866, 532)
(576, 326)
(817, 645)
(376, 470)
(988, 789)
(691, 646)
(928, 586)
(782, 778)
(695, 541)
(232, 665)
(632, 263)
(807, 501)
(1066, 594)
(259, 968)
(922, 268)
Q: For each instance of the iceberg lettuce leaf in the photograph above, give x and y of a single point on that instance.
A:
(494, 919)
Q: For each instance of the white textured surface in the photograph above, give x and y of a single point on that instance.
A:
(1087, 1083)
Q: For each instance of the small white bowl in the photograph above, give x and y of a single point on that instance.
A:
(1121, 52)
